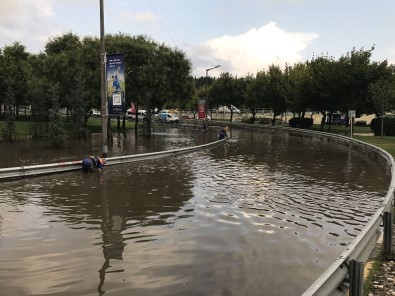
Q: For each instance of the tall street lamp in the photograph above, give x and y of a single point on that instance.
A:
(206, 103)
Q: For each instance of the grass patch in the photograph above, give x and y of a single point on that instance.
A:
(374, 271)
(94, 125)
(342, 130)
(22, 129)
(385, 143)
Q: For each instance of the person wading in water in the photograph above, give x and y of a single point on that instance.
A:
(93, 163)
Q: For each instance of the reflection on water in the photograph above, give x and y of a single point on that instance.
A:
(26, 153)
(259, 215)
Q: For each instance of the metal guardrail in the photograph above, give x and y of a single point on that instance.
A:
(339, 277)
(34, 170)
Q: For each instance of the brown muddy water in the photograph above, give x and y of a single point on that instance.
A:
(258, 215)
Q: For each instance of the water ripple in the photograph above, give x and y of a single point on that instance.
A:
(207, 223)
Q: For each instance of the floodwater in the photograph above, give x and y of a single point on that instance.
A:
(258, 215)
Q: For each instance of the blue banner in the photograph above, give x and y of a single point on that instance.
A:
(115, 75)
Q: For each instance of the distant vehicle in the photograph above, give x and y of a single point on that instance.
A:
(168, 118)
(142, 114)
(225, 109)
(337, 119)
(95, 113)
(172, 111)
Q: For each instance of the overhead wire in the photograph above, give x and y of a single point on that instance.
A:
(162, 23)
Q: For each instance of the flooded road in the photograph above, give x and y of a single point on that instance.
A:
(259, 215)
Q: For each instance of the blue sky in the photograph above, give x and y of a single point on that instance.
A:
(243, 36)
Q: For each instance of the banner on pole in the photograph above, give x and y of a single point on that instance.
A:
(201, 108)
(115, 75)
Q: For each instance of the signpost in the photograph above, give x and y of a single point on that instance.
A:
(201, 108)
(351, 115)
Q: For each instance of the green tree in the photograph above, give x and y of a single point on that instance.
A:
(225, 91)
(57, 134)
(40, 103)
(155, 75)
(321, 68)
(257, 91)
(299, 89)
(252, 98)
(276, 91)
(382, 96)
(39, 112)
(81, 106)
(8, 132)
(90, 68)
(63, 63)
(2, 80)
(355, 74)
(16, 71)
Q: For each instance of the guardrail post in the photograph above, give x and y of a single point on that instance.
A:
(387, 221)
(356, 278)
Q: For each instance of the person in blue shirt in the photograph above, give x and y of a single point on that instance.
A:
(223, 133)
(93, 163)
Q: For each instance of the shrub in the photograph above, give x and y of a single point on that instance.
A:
(247, 120)
(301, 122)
(265, 120)
(360, 123)
(389, 126)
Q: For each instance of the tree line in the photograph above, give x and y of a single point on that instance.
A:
(323, 84)
(67, 76)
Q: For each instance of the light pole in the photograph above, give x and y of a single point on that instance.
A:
(206, 103)
(103, 83)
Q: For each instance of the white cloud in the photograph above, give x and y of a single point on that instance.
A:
(17, 13)
(254, 50)
(24, 20)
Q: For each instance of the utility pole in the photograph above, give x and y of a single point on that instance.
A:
(104, 112)
(206, 102)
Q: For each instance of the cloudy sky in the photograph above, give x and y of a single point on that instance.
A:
(243, 36)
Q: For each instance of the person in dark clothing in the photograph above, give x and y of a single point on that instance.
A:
(223, 133)
(92, 163)
(204, 125)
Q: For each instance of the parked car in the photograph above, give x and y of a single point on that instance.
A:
(95, 113)
(168, 118)
(142, 114)
(225, 109)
